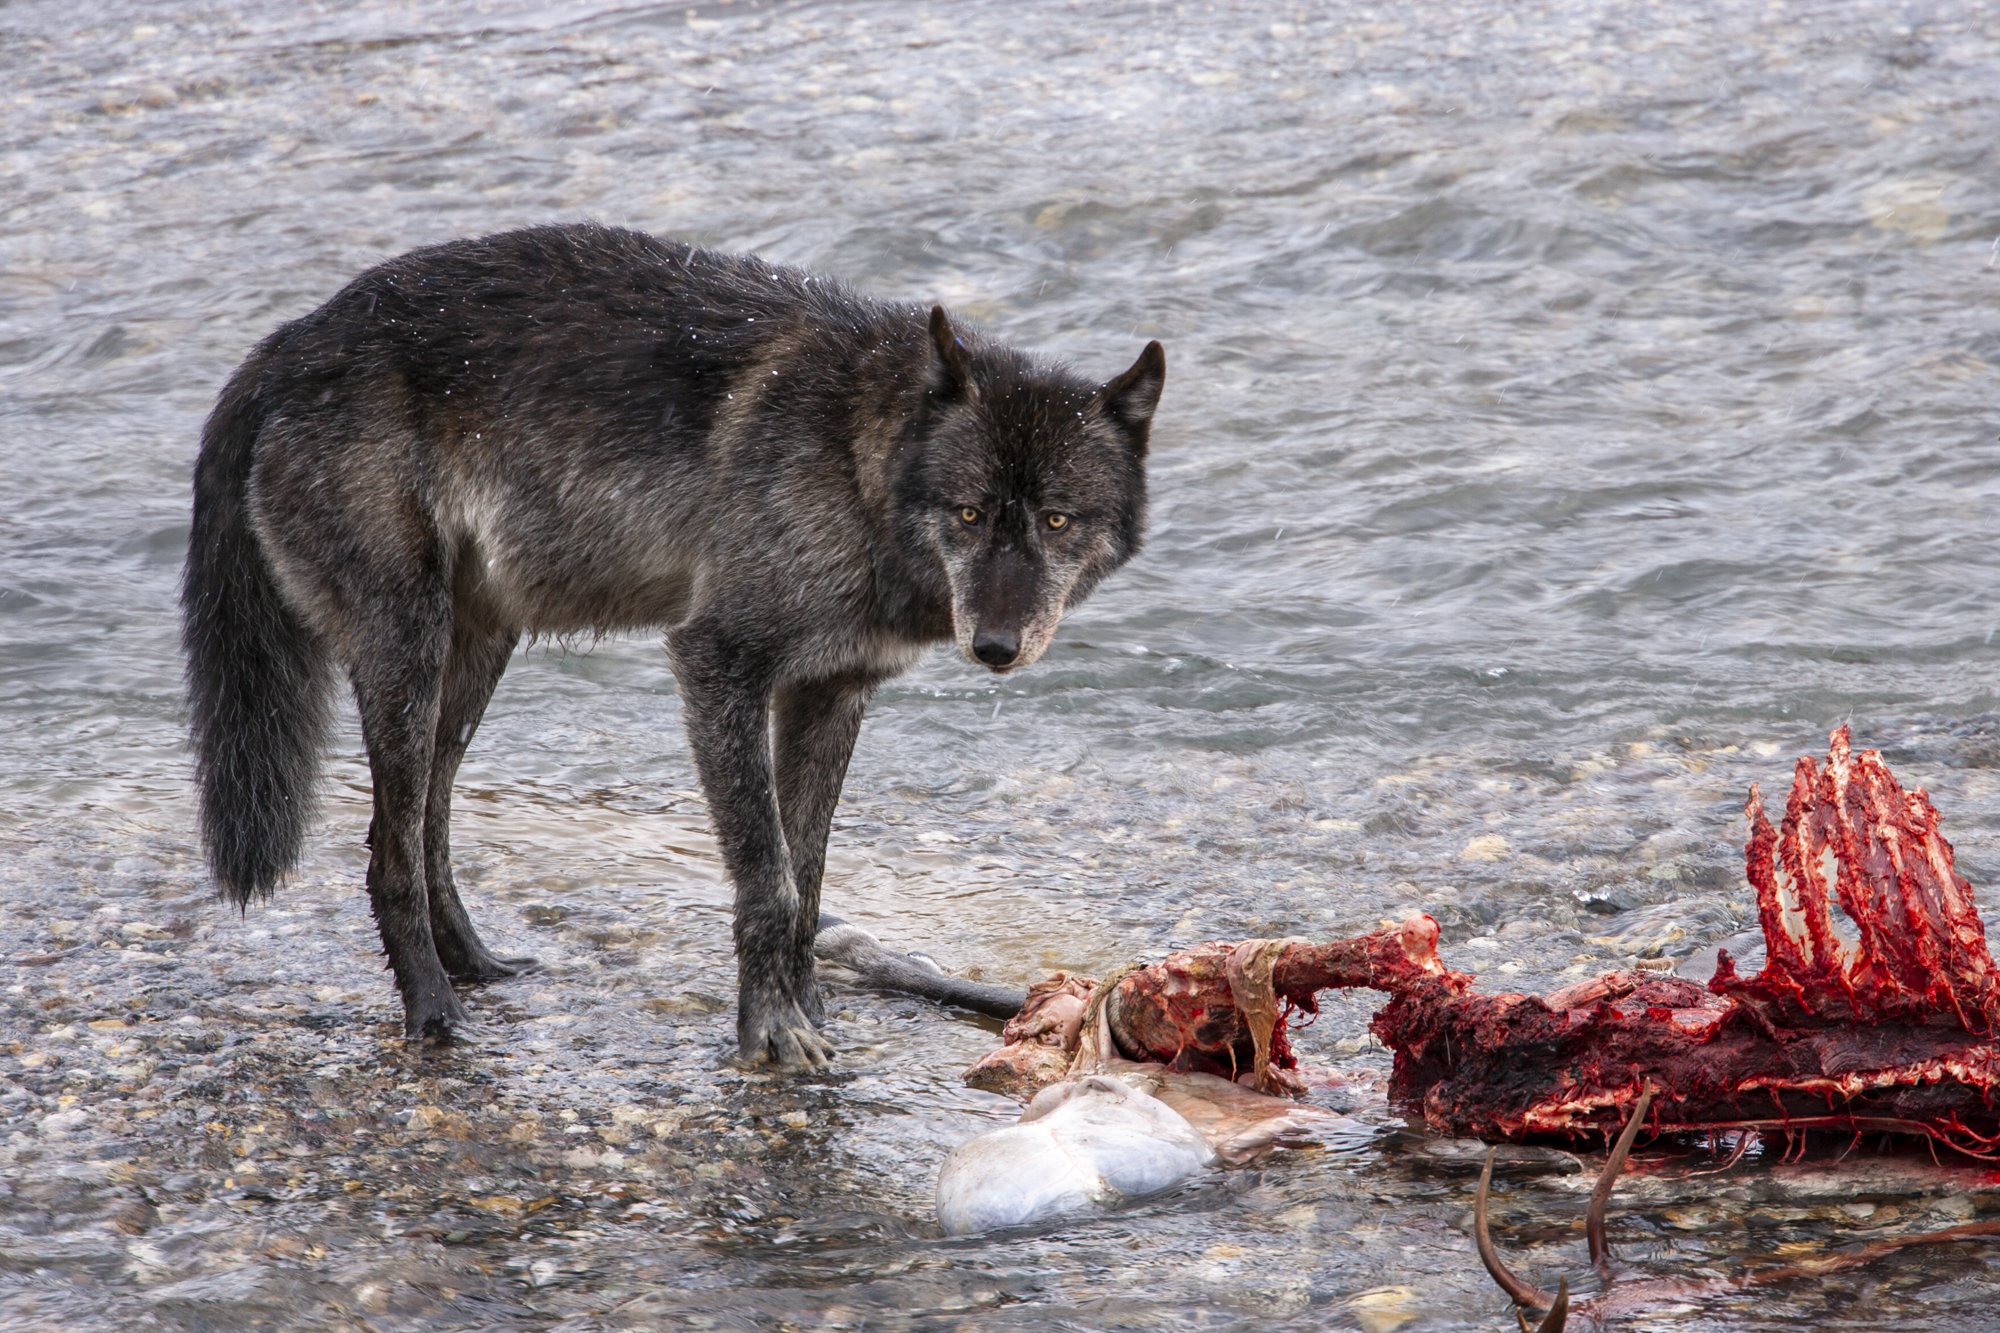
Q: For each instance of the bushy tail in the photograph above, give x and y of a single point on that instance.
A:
(256, 677)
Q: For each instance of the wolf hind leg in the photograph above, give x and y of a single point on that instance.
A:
(814, 728)
(397, 668)
(726, 697)
(473, 666)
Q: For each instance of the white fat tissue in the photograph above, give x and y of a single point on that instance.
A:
(1080, 1145)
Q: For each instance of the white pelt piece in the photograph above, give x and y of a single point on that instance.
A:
(1080, 1145)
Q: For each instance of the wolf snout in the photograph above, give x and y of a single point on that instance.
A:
(996, 648)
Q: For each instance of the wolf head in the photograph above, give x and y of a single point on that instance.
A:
(1029, 487)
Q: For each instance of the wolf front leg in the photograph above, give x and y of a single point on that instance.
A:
(726, 697)
(814, 728)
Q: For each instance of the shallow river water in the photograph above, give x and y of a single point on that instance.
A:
(1573, 412)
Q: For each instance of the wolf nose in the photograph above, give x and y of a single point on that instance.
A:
(996, 648)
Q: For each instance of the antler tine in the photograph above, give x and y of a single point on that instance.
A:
(1557, 1318)
(1519, 1291)
(1600, 1196)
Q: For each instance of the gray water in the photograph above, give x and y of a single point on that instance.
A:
(1572, 414)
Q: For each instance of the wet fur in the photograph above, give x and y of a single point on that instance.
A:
(582, 430)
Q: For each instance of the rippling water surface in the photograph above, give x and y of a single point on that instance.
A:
(1573, 412)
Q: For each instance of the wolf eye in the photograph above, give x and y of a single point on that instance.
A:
(1057, 522)
(968, 515)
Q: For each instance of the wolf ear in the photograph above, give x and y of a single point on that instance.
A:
(954, 367)
(1130, 399)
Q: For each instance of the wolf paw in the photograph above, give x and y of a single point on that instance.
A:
(435, 1016)
(778, 1033)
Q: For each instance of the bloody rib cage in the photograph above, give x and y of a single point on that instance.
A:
(1891, 1030)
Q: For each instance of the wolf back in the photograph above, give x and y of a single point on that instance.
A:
(583, 429)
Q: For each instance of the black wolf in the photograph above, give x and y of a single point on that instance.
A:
(581, 429)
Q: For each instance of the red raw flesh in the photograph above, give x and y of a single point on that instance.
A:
(1203, 1010)
(1894, 1032)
